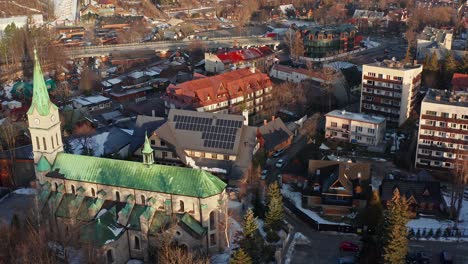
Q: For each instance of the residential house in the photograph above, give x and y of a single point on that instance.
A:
(92, 103)
(119, 207)
(273, 136)
(337, 187)
(227, 93)
(17, 164)
(222, 61)
(218, 143)
(424, 197)
(355, 127)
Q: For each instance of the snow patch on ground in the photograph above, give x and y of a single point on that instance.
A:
(96, 143)
(7, 88)
(261, 226)
(26, 191)
(299, 239)
(234, 229)
(296, 198)
(128, 131)
(234, 204)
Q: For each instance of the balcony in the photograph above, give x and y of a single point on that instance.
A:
(381, 88)
(445, 129)
(382, 80)
(396, 107)
(382, 96)
(446, 119)
(444, 139)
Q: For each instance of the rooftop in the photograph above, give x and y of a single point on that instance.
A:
(394, 64)
(356, 116)
(446, 97)
(243, 54)
(91, 100)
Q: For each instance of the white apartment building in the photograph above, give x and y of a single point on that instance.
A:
(389, 89)
(443, 131)
(355, 127)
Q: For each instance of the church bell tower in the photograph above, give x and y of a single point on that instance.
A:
(43, 119)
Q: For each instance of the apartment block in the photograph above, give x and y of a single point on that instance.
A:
(443, 131)
(390, 89)
(355, 127)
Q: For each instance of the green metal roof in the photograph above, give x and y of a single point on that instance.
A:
(68, 206)
(138, 211)
(193, 224)
(147, 147)
(136, 175)
(89, 209)
(43, 165)
(43, 197)
(160, 221)
(41, 101)
(103, 230)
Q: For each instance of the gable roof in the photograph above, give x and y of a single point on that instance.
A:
(103, 230)
(274, 133)
(412, 188)
(144, 124)
(236, 56)
(136, 175)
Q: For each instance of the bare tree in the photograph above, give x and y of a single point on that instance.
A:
(295, 43)
(310, 126)
(84, 131)
(460, 178)
(8, 134)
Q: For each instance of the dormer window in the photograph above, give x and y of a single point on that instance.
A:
(426, 192)
(208, 97)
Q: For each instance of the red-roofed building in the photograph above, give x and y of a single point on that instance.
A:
(460, 83)
(225, 93)
(222, 61)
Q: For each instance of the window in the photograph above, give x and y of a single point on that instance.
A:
(45, 145)
(453, 125)
(137, 243)
(212, 220)
(345, 135)
(380, 75)
(358, 137)
(437, 153)
(163, 144)
(212, 239)
(425, 152)
(345, 126)
(226, 157)
(73, 189)
(359, 129)
(52, 140)
(432, 113)
(117, 196)
(181, 206)
(464, 116)
(371, 74)
(153, 142)
(371, 131)
(442, 124)
(110, 256)
(445, 115)
(214, 155)
(37, 143)
(56, 139)
(56, 186)
(334, 134)
(93, 192)
(164, 154)
(143, 199)
(334, 124)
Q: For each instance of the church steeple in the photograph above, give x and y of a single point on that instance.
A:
(40, 101)
(147, 152)
(43, 120)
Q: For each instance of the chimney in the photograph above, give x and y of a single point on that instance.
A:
(253, 68)
(265, 122)
(273, 118)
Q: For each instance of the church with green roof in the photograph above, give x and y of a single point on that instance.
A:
(120, 208)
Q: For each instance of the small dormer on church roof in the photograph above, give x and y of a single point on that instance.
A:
(40, 101)
(43, 165)
(147, 152)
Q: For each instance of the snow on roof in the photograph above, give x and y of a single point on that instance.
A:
(106, 84)
(356, 116)
(114, 81)
(89, 100)
(136, 75)
(151, 73)
(283, 8)
(338, 65)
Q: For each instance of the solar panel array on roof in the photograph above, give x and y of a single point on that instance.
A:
(221, 134)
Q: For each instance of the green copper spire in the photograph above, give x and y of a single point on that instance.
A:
(40, 99)
(147, 147)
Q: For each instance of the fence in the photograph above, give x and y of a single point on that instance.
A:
(448, 232)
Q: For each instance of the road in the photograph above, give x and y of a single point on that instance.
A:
(396, 47)
(160, 46)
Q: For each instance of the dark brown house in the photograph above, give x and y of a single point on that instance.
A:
(337, 186)
(422, 196)
(274, 135)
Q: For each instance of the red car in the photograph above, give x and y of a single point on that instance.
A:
(349, 246)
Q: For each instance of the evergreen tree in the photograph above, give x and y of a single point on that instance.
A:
(408, 55)
(275, 212)
(240, 257)
(250, 224)
(396, 233)
(373, 216)
(427, 60)
(67, 147)
(451, 66)
(463, 67)
(433, 63)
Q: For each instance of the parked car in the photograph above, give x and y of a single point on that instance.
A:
(445, 257)
(279, 164)
(349, 246)
(264, 174)
(278, 153)
(347, 260)
(423, 258)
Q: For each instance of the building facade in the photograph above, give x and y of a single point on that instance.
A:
(390, 89)
(262, 58)
(443, 131)
(121, 207)
(227, 93)
(355, 127)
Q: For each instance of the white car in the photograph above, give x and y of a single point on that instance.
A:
(264, 174)
(279, 164)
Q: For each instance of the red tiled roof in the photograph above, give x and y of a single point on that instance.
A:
(460, 80)
(236, 56)
(219, 88)
(106, 2)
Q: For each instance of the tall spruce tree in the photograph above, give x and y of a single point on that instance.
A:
(275, 211)
(464, 64)
(408, 55)
(451, 66)
(250, 224)
(396, 234)
(433, 63)
(240, 257)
